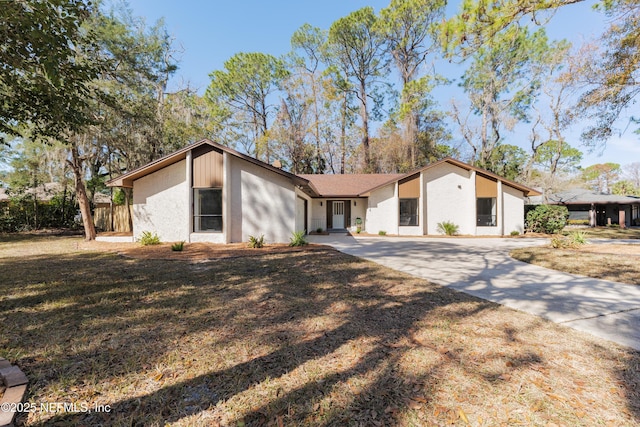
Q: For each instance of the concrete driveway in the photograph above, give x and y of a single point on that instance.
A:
(483, 268)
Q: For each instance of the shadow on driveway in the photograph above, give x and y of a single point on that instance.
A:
(483, 268)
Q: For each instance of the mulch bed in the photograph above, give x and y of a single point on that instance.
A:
(196, 251)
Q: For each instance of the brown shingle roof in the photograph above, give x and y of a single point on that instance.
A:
(352, 185)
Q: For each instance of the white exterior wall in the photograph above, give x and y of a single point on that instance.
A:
(513, 210)
(359, 211)
(451, 196)
(161, 203)
(383, 210)
(261, 202)
(318, 214)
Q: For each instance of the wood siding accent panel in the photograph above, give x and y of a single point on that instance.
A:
(410, 188)
(486, 187)
(208, 170)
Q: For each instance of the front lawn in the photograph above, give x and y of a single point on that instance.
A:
(619, 263)
(293, 338)
(607, 232)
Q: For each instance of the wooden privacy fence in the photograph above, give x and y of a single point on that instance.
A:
(102, 218)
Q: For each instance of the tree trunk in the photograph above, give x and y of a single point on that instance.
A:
(127, 198)
(343, 134)
(365, 127)
(81, 195)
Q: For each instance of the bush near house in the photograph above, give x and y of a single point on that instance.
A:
(549, 219)
(148, 238)
(297, 239)
(448, 228)
(178, 246)
(256, 242)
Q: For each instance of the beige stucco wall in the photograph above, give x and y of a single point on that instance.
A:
(383, 210)
(261, 202)
(450, 196)
(161, 203)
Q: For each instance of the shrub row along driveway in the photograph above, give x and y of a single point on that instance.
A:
(483, 268)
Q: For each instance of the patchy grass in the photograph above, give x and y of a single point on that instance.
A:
(289, 338)
(607, 232)
(619, 263)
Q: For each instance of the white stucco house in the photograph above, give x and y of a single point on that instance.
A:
(209, 192)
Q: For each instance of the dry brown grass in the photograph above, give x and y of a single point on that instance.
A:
(607, 232)
(616, 262)
(294, 338)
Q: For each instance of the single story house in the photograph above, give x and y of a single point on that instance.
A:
(209, 192)
(595, 209)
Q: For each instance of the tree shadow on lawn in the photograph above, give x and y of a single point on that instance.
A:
(309, 339)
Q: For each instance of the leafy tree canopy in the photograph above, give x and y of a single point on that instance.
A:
(44, 79)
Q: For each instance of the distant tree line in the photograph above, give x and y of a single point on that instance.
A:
(86, 97)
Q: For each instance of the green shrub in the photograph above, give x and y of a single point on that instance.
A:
(382, 233)
(448, 228)
(147, 238)
(319, 230)
(178, 246)
(515, 233)
(256, 242)
(549, 219)
(298, 239)
(578, 238)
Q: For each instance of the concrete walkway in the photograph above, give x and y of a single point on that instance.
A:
(483, 268)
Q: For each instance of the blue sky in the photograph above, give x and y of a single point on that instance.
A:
(210, 31)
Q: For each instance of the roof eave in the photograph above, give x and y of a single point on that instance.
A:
(126, 180)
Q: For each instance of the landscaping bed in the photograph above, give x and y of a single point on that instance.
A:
(311, 337)
(194, 251)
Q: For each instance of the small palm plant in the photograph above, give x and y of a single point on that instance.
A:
(178, 246)
(448, 228)
(256, 242)
(148, 238)
(298, 239)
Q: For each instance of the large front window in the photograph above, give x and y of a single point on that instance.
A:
(207, 210)
(486, 211)
(408, 211)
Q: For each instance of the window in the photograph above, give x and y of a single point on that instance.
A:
(408, 211)
(486, 211)
(207, 210)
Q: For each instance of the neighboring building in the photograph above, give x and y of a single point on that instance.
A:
(209, 192)
(596, 209)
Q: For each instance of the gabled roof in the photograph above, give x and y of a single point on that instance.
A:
(581, 196)
(315, 185)
(526, 190)
(127, 179)
(351, 185)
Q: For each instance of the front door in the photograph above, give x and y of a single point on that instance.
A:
(338, 215)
